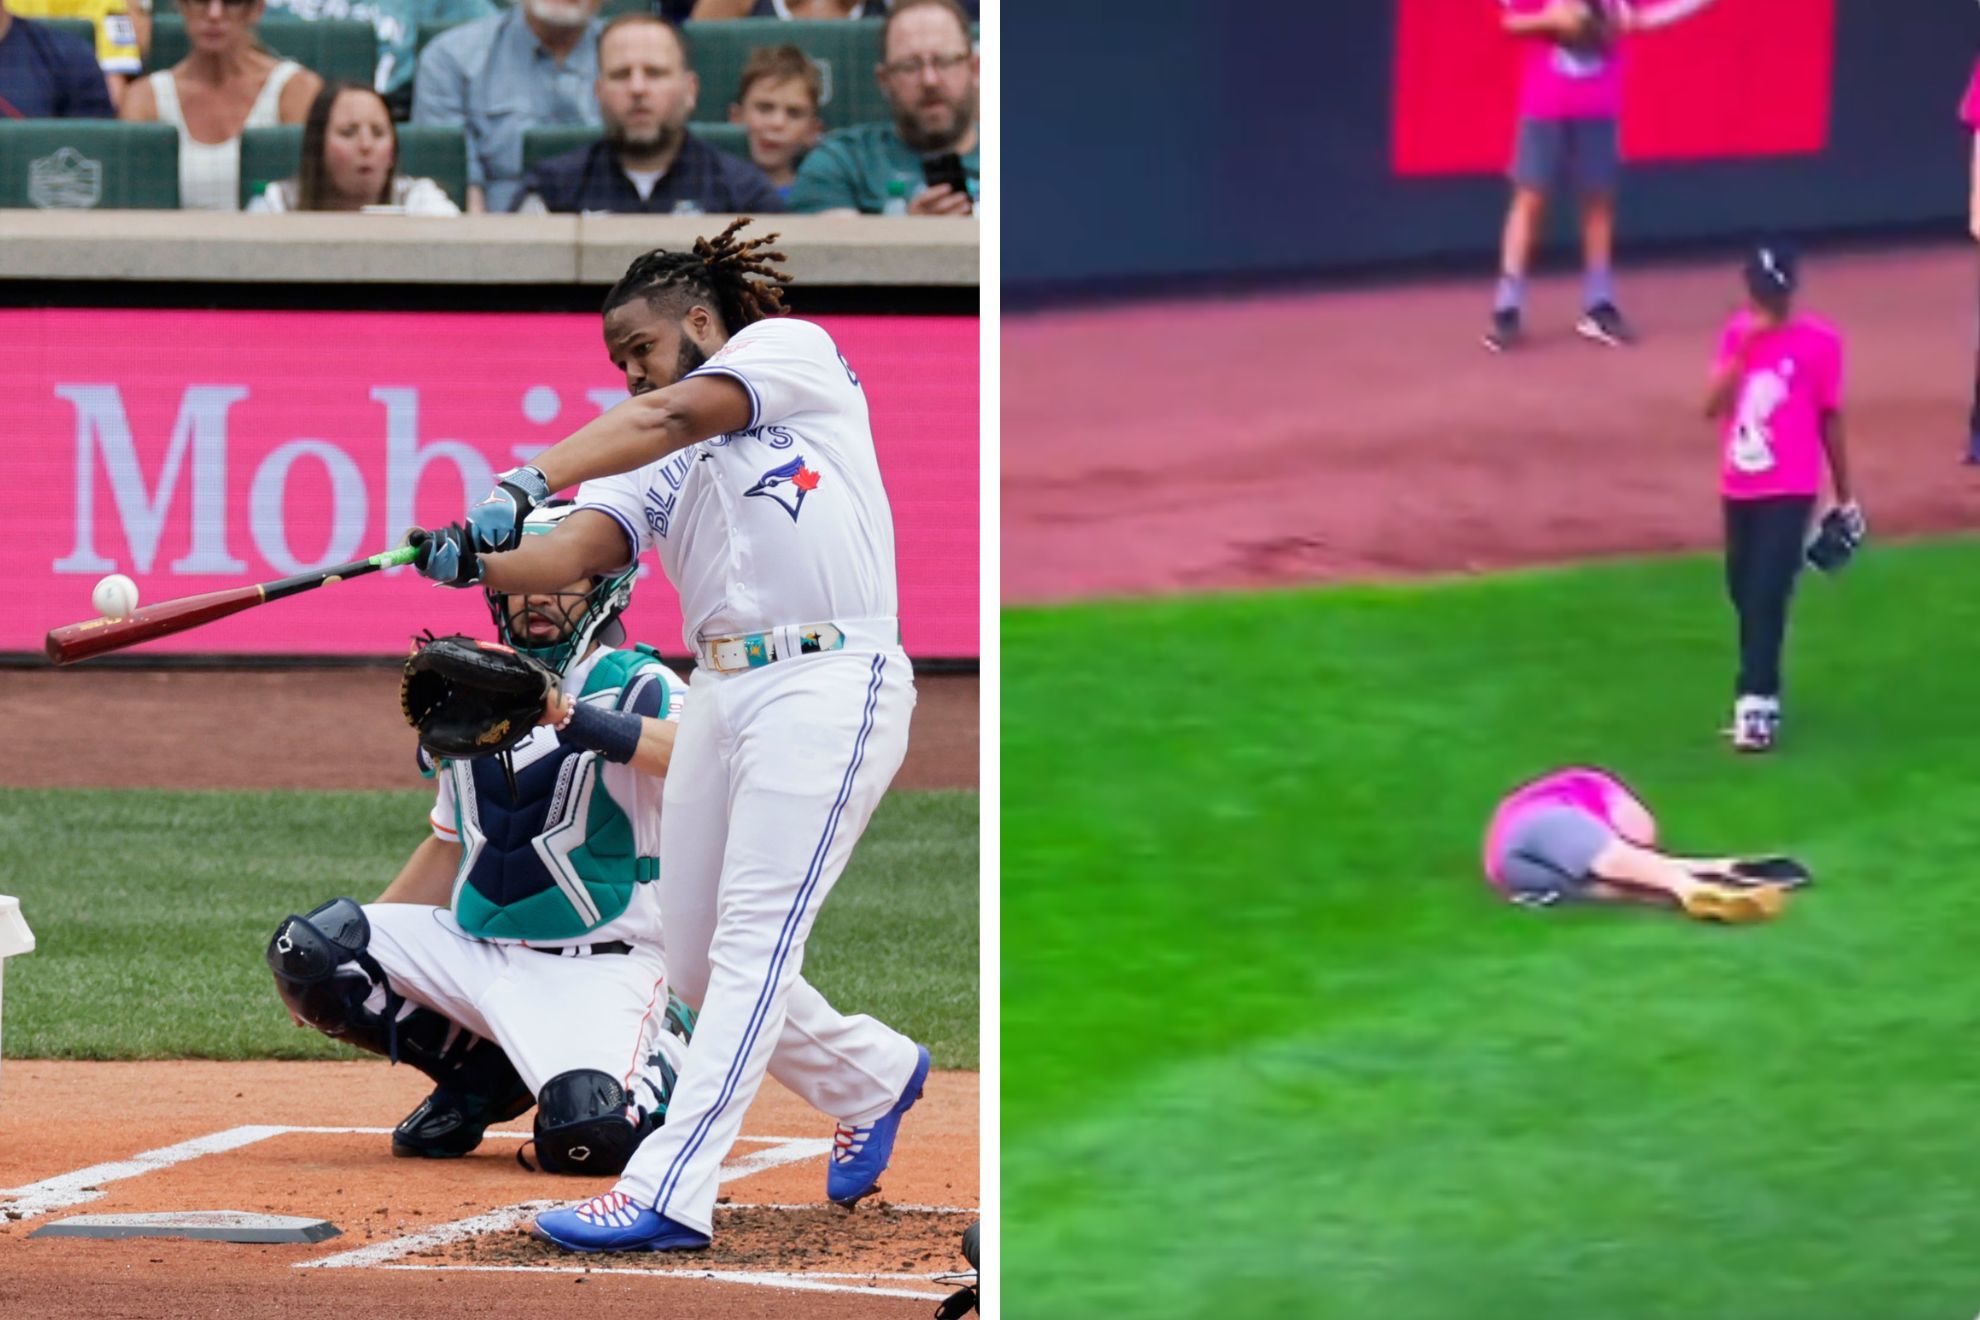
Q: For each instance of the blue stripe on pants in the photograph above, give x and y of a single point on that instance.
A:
(671, 1182)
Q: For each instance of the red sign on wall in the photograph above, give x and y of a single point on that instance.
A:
(1717, 79)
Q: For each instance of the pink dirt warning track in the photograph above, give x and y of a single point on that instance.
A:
(1366, 434)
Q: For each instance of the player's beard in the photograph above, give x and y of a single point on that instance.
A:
(930, 142)
(691, 356)
(563, 618)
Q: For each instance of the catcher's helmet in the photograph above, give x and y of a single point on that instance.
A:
(607, 599)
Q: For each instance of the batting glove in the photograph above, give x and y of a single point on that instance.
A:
(446, 556)
(497, 522)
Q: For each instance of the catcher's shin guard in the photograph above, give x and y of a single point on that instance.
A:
(326, 975)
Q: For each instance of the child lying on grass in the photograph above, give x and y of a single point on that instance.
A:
(1580, 835)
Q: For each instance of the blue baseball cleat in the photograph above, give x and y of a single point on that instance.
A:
(860, 1154)
(615, 1222)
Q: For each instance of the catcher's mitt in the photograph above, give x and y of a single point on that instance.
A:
(471, 698)
(1837, 538)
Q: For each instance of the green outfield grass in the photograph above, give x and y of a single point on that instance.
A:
(1270, 1049)
(152, 909)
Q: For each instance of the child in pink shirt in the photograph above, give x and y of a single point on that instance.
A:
(1570, 107)
(1581, 834)
(1777, 390)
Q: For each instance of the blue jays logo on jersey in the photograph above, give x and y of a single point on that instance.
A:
(788, 485)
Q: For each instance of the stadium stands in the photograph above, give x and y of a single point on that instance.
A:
(59, 164)
(335, 48)
(133, 166)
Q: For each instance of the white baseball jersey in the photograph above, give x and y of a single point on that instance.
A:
(783, 523)
(565, 798)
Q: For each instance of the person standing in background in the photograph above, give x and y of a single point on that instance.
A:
(1570, 108)
(1776, 387)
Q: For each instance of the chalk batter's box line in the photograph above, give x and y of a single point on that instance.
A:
(81, 1186)
(765, 1279)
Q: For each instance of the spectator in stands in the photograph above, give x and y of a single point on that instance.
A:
(226, 83)
(707, 9)
(116, 38)
(350, 161)
(533, 66)
(777, 105)
(928, 72)
(396, 24)
(647, 160)
(46, 73)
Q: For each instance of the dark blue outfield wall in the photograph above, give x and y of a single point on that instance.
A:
(1227, 137)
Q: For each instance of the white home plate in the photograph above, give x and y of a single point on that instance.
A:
(211, 1225)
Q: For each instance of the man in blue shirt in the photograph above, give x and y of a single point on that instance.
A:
(397, 24)
(534, 66)
(647, 161)
(46, 73)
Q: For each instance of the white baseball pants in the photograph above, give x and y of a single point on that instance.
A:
(776, 772)
(549, 1013)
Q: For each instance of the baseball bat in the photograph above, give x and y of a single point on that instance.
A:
(79, 641)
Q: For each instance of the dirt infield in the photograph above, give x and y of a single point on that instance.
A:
(262, 1137)
(778, 1244)
(309, 728)
(1366, 434)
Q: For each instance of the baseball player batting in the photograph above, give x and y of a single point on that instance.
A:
(745, 460)
(538, 978)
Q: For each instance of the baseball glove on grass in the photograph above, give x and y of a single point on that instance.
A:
(1837, 538)
(471, 698)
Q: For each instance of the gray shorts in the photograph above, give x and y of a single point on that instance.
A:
(1549, 855)
(1584, 154)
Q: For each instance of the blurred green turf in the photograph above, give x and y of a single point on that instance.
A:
(1271, 1049)
(151, 911)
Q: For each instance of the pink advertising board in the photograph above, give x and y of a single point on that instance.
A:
(196, 450)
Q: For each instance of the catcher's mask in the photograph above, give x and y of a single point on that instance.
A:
(581, 619)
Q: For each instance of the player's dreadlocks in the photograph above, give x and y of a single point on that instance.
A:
(732, 275)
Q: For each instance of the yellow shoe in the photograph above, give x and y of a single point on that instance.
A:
(1735, 904)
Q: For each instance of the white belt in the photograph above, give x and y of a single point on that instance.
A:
(728, 655)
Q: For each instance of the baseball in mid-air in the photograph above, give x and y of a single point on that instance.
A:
(115, 596)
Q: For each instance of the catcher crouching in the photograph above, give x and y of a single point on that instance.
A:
(515, 960)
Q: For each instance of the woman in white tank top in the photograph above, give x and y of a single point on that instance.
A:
(225, 84)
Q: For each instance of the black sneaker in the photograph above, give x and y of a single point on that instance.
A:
(447, 1126)
(1505, 330)
(1605, 325)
